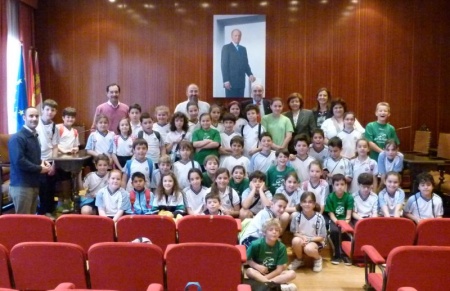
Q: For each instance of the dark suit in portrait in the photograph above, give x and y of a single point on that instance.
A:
(234, 68)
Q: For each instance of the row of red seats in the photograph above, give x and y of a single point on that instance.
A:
(85, 230)
(389, 244)
(423, 268)
(386, 233)
(121, 266)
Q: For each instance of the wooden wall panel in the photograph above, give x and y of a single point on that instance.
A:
(426, 65)
(365, 51)
(318, 38)
(345, 52)
(443, 98)
(398, 62)
(372, 55)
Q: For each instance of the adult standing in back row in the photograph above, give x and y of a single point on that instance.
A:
(258, 100)
(113, 109)
(322, 110)
(235, 66)
(26, 165)
(192, 94)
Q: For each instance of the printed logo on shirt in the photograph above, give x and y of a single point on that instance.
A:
(340, 210)
(269, 262)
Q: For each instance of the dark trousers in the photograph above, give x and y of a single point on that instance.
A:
(234, 92)
(46, 193)
(335, 236)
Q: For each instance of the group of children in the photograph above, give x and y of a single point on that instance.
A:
(227, 165)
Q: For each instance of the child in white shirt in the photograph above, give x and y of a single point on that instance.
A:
(112, 201)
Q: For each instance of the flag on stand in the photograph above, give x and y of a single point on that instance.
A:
(30, 79)
(21, 100)
(37, 83)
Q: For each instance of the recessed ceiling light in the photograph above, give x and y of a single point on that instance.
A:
(263, 3)
(112, 1)
(234, 4)
(294, 2)
(205, 5)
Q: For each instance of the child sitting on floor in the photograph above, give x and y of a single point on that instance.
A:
(267, 258)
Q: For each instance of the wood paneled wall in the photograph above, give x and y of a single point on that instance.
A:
(365, 51)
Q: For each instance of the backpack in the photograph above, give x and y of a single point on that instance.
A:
(61, 131)
(158, 135)
(230, 194)
(259, 132)
(133, 198)
(175, 154)
(116, 140)
(150, 167)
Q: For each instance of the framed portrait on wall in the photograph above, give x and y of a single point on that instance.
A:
(239, 54)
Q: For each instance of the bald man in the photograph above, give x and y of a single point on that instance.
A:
(258, 100)
(192, 94)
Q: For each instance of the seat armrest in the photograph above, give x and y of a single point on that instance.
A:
(345, 227)
(65, 286)
(243, 252)
(239, 224)
(373, 254)
(155, 287)
(244, 287)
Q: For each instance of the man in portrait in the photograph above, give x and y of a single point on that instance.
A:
(235, 66)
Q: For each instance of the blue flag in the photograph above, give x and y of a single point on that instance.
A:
(21, 100)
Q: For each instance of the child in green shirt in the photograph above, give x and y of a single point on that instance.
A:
(339, 206)
(276, 174)
(267, 258)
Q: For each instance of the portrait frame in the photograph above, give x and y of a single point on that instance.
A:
(253, 40)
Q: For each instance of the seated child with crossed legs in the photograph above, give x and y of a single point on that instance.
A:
(267, 258)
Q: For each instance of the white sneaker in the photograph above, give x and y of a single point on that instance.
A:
(288, 287)
(317, 265)
(295, 264)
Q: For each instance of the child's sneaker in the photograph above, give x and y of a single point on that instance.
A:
(317, 265)
(288, 287)
(295, 264)
(336, 260)
(347, 261)
(67, 207)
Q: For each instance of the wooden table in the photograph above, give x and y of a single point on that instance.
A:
(73, 163)
(421, 163)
